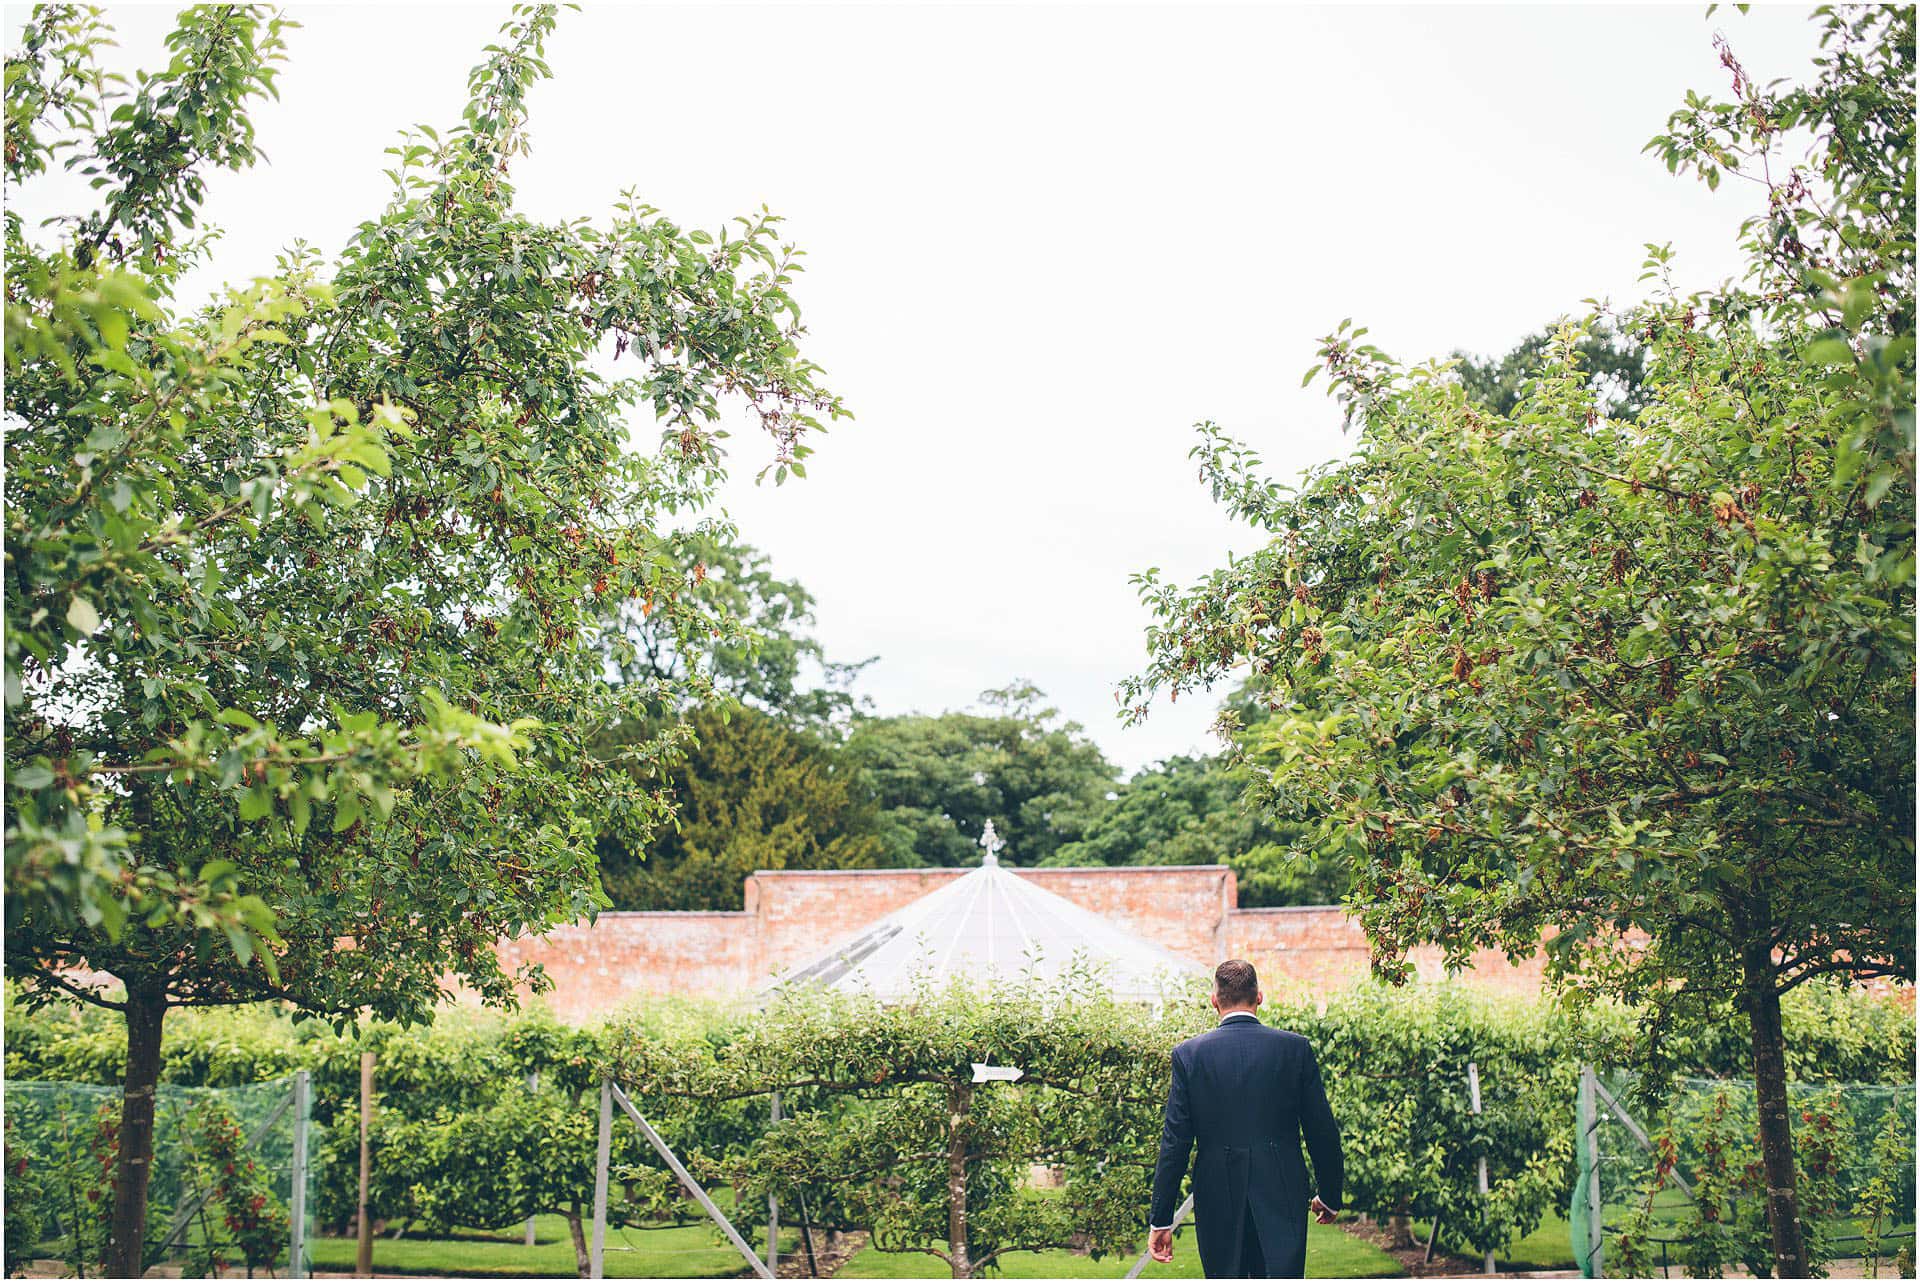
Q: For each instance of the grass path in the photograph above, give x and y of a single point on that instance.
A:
(666, 1252)
(689, 1252)
(1332, 1253)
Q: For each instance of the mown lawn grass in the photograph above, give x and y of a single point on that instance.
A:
(666, 1252)
(1332, 1253)
(1550, 1247)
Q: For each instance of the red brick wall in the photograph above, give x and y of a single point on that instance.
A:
(624, 956)
(792, 916)
(1301, 951)
(1182, 909)
(800, 914)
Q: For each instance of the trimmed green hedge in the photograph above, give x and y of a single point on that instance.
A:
(1395, 1062)
(1833, 1035)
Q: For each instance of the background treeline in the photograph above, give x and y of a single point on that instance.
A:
(781, 787)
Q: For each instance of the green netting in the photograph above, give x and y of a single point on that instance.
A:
(1678, 1184)
(204, 1199)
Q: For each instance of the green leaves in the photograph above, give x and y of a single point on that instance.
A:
(316, 586)
(876, 1098)
(29, 778)
(1832, 350)
(754, 793)
(1588, 675)
(936, 781)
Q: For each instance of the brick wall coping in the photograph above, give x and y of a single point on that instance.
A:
(1298, 908)
(864, 873)
(660, 913)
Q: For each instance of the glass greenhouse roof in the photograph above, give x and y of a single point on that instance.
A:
(991, 928)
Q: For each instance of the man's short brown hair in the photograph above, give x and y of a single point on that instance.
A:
(1235, 983)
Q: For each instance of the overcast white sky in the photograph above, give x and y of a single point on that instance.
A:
(1043, 242)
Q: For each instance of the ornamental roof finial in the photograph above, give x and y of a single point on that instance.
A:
(993, 845)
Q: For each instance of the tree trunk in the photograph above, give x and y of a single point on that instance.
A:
(959, 1102)
(146, 1007)
(582, 1260)
(1776, 1124)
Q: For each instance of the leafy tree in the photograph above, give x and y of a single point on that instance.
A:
(774, 663)
(886, 1131)
(1287, 872)
(307, 608)
(486, 1124)
(1615, 362)
(753, 794)
(1180, 811)
(1188, 810)
(1647, 685)
(770, 782)
(490, 1166)
(938, 780)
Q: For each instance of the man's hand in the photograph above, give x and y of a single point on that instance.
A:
(1321, 1212)
(1160, 1243)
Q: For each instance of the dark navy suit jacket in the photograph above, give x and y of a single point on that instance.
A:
(1245, 1095)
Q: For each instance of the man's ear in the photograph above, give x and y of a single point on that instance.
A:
(1259, 998)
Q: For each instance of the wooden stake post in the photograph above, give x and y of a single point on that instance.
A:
(773, 1208)
(611, 1095)
(363, 1253)
(602, 1158)
(533, 1085)
(1473, 1092)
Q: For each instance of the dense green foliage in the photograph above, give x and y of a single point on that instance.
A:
(753, 793)
(1854, 1148)
(1615, 363)
(886, 1131)
(323, 505)
(26, 1182)
(1838, 1036)
(937, 780)
(1190, 810)
(516, 1139)
(457, 1130)
(310, 602)
(1551, 668)
(785, 788)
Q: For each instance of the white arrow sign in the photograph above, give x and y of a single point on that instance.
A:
(996, 1074)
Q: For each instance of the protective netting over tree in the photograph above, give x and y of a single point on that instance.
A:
(1681, 1186)
(226, 1165)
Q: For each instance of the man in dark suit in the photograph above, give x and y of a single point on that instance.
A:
(1246, 1094)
